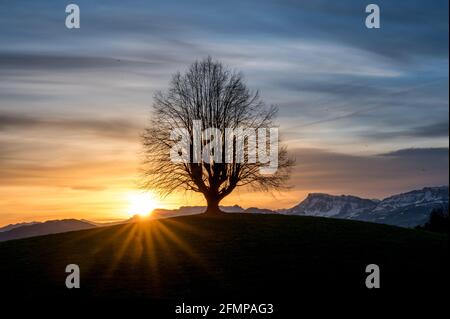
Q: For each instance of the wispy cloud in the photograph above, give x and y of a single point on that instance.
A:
(433, 130)
(115, 127)
(73, 102)
(376, 175)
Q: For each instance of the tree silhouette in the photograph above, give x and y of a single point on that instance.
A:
(438, 221)
(210, 95)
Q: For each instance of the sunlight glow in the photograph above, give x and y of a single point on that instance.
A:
(141, 204)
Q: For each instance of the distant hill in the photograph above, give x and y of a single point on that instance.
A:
(12, 226)
(231, 257)
(191, 210)
(255, 210)
(25, 230)
(407, 209)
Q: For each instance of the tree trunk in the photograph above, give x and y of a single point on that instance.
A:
(213, 206)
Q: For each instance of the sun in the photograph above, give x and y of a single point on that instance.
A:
(141, 204)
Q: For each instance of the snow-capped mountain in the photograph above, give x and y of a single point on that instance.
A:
(423, 197)
(344, 206)
(407, 209)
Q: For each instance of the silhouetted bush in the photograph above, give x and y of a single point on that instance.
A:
(438, 222)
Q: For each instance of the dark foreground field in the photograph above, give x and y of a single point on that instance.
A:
(232, 257)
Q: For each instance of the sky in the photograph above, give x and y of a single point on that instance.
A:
(364, 111)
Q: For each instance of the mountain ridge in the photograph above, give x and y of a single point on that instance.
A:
(408, 209)
(44, 228)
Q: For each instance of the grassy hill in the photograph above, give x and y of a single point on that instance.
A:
(232, 256)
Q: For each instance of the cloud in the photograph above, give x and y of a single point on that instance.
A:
(71, 96)
(18, 60)
(429, 153)
(115, 128)
(69, 62)
(28, 165)
(435, 130)
(409, 28)
(89, 174)
(371, 176)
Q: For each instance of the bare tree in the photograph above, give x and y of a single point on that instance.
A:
(210, 94)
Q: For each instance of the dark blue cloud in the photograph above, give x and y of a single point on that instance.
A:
(409, 28)
(315, 59)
